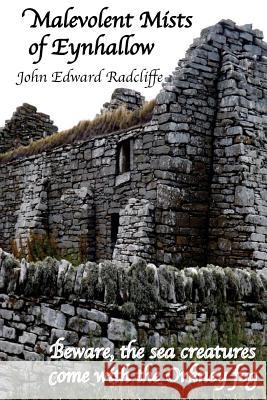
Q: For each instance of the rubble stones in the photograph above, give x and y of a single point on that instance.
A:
(165, 306)
(25, 126)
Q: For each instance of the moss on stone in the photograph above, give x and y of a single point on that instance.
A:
(128, 310)
(209, 284)
(233, 292)
(179, 283)
(193, 281)
(143, 293)
(257, 286)
(49, 279)
(89, 281)
(166, 282)
(264, 282)
(29, 284)
(188, 288)
(7, 264)
(220, 280)
(109, 276)
(69, 281)
(123, 283)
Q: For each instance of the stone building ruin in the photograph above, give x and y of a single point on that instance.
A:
(188, 186)
(18, 131)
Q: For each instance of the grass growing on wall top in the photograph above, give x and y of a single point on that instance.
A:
(108, 122)
(39, 246)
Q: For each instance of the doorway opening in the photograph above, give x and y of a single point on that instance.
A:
(115, 222)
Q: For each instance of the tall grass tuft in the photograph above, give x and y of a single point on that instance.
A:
(108, 122)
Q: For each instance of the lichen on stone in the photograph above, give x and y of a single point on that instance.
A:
(233, 292)
(179, 283)
(128, 310)
(89, 280)
(143, 293)
(109, 278)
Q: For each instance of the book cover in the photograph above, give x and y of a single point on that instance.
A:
(133, 200)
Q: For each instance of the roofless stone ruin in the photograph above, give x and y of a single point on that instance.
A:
(156, 195)
(189, 185)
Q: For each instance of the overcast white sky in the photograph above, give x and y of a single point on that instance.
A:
(67, 104)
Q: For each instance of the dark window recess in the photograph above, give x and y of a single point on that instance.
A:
(124, 157)
(115, 221)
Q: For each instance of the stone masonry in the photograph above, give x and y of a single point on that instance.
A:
(109, 304)
(25, 126)
(128, 98)
(189, 186)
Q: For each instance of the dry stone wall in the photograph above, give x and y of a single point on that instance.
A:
(215, 105)
(109, 304)
(185, 113)
(128, 98)
(86, 168)
(238, 224)
(25, 126)
(136, 233)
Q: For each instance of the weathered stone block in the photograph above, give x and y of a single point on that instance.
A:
(6, 314)
(84, 326)
(224, 244)
(260, 255)
(53, 318)
(244, 196)
(28, 338)
(11, 348)
(31, 356)
(169, 197)
(8, 332)
(257, 220)
(235, 150)
(178, 137)
(94, 315)
(121, 330)
(68, 309)
(70, 338)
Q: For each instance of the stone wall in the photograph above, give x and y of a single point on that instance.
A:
(213, 109)
(109, 304)
(238, 223)
(69, 172)
(128, 98)
(199, 165)
(25, 126)
(136, 233)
